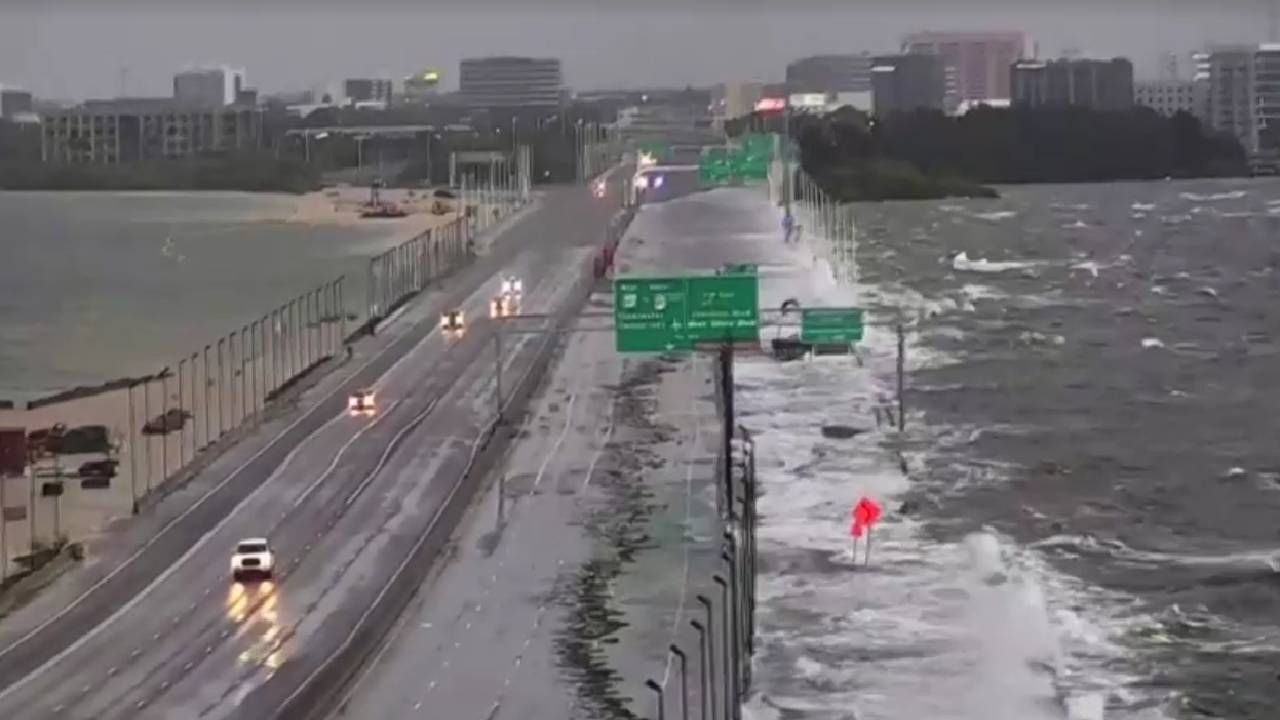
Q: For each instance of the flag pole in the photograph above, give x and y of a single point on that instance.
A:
(867, 558)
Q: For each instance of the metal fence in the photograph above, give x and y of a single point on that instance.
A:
(177, 413)
(829, 225)
(725, 633)
(406, 269)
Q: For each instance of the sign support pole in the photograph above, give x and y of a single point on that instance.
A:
(497, 359)
(902, 349)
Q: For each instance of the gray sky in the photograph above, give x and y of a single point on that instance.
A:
(77, 48)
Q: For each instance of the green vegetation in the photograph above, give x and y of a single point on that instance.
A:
(250, 172)
(926, 154)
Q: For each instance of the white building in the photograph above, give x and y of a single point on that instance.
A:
(208, 86)
(1167, 97)
(1244, 95)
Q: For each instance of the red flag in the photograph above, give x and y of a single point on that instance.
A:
(865, 513)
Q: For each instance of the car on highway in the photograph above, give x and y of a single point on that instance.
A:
(512, 286)
(503, 306)
(361, 402)
(253, 558)
(600, 189)
(452, 321)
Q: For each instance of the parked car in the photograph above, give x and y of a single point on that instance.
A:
(164, 424)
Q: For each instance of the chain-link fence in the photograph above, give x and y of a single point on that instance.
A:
(177, 413)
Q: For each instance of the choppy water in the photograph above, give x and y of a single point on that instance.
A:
(95, 286)
(1096, 378)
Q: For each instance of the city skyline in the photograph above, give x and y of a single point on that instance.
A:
(613, 47)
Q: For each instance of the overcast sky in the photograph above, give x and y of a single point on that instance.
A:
(82, 48)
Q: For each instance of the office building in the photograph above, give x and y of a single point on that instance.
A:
(511, 83)
(1097, 84)
(1200, 75)
(422, 86)
(366, 90)
(830, 74)
(1231, 98)
(138, 129)
(1266, 98)
(735, 99)
(1167, 97)
(978, 62)
(15, 102)
(903, 83)
(208, 87)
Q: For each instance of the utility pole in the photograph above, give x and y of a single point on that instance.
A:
(786, 153)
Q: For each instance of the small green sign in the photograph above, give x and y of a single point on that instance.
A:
(724, 307)
(649, 314)
(660, 314)
(830, 325)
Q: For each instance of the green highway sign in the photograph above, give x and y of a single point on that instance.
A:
(830, 325)
(740, 269)
(649, 314)
(724, 307)
(673, 313)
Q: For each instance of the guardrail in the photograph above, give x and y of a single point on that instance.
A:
(726, 631)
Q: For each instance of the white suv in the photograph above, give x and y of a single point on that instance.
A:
(512, 287)
(253, 558)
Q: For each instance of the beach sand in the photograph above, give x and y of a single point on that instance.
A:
(218, 403)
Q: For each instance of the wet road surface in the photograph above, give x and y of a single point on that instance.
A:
(341, 498)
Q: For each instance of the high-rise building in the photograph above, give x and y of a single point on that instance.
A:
(1097, 84)
(1266, 97)
(830, 74)
(208, 87)
(1200, 75)
(979, 61)
(1231, 98)
(735, 99)
(1167, 97)
(15, 102)
(907, 82)
(366, 90)
(511, 83)
(422, 86)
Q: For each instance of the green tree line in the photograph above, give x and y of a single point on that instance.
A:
(928, 154)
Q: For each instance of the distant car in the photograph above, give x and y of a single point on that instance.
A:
(253, 559)
(512, 286)
(361, 402)
(503, 306)
(452, 321)
(444, 193)
(600, 189)
(171, 421)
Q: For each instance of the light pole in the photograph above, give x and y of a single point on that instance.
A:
(734, 617)
(657, 689)
(133, 453)
(705, 676)
(711, 654)
(684, 680)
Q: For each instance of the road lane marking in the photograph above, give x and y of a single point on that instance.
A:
(555, 448)
(341, 452)
(591, 468)
(688, 519)
(390, 448)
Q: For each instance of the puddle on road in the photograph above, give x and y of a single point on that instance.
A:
(618, 526)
